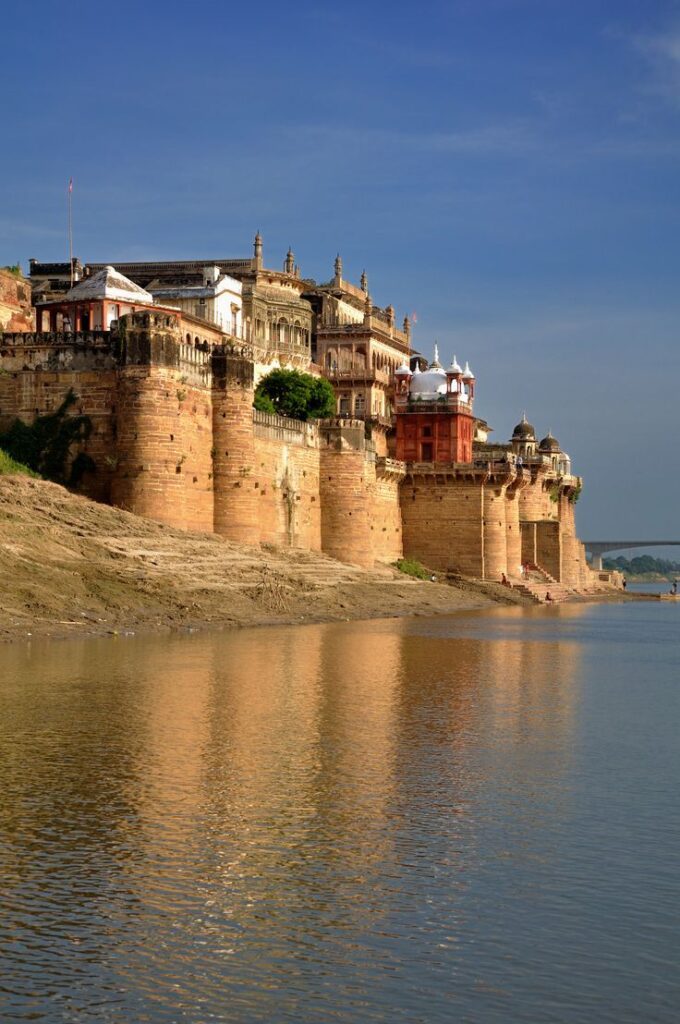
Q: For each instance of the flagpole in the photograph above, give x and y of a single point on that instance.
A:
(70, 230)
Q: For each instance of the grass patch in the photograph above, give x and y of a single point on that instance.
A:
(411, 567)
(9, 465)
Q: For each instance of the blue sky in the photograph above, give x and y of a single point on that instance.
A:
(508, 169)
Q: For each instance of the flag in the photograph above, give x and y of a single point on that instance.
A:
(70, 184)
(414, 317)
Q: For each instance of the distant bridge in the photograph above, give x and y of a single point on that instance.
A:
(598, 547)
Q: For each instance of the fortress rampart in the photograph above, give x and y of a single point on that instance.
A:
(175, 438)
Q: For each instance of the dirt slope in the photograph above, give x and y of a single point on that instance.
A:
(71, 566)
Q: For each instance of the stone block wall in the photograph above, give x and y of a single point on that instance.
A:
(442, 522)
(163, 447)
(386, 529)
(38, 372)
(534, 499)
(346, 486)
(495, 551)
(287, 461)
(234, 458)
(163, 405)
(513, 536)
(549, 548)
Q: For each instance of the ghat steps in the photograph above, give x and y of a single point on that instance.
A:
(537, 583)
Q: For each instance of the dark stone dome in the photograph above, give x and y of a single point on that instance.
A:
(549, 444)
(524, 430)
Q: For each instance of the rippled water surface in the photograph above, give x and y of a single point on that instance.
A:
(462, 819)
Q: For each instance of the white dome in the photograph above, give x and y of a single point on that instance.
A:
(455, 366)
(403, 370)
(467, 373)
(429, 384)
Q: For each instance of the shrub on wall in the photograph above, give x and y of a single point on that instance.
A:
(295, 394)
(44, 445)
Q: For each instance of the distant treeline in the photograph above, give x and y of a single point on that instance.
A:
(643, 565)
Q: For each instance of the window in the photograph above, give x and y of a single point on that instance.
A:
(426, 451)
(427, 431)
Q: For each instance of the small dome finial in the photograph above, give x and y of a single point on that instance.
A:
(338, 266)
(364, 281)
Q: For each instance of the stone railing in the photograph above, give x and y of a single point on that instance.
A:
(445, 403)
(51, 339)
(365, 417)
(374, 323)
(233, 348)
(390, 467)
(282, 428)
(195, 365)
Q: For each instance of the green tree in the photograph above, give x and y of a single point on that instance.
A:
(295, 394)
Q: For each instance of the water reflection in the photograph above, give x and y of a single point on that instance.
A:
(274, 825)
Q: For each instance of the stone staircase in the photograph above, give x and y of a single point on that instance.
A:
(536, 583)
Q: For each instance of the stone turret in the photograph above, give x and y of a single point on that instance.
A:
(523, 440)
(346, 479)
(257, 251)
(235, 501)
(368, 307)
(162, 459)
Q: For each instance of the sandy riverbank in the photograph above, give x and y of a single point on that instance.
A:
(69, 566)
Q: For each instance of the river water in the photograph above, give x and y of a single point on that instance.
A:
(471, 818)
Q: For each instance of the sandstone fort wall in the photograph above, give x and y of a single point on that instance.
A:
(442, 522)
(175, 438)
(287, 461)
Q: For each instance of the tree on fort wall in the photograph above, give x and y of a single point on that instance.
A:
(297, 395)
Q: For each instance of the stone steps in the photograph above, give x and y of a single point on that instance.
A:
(536, 591)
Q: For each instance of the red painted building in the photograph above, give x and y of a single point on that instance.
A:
(435, 421)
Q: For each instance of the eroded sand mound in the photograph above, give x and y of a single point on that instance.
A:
(71, 566)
